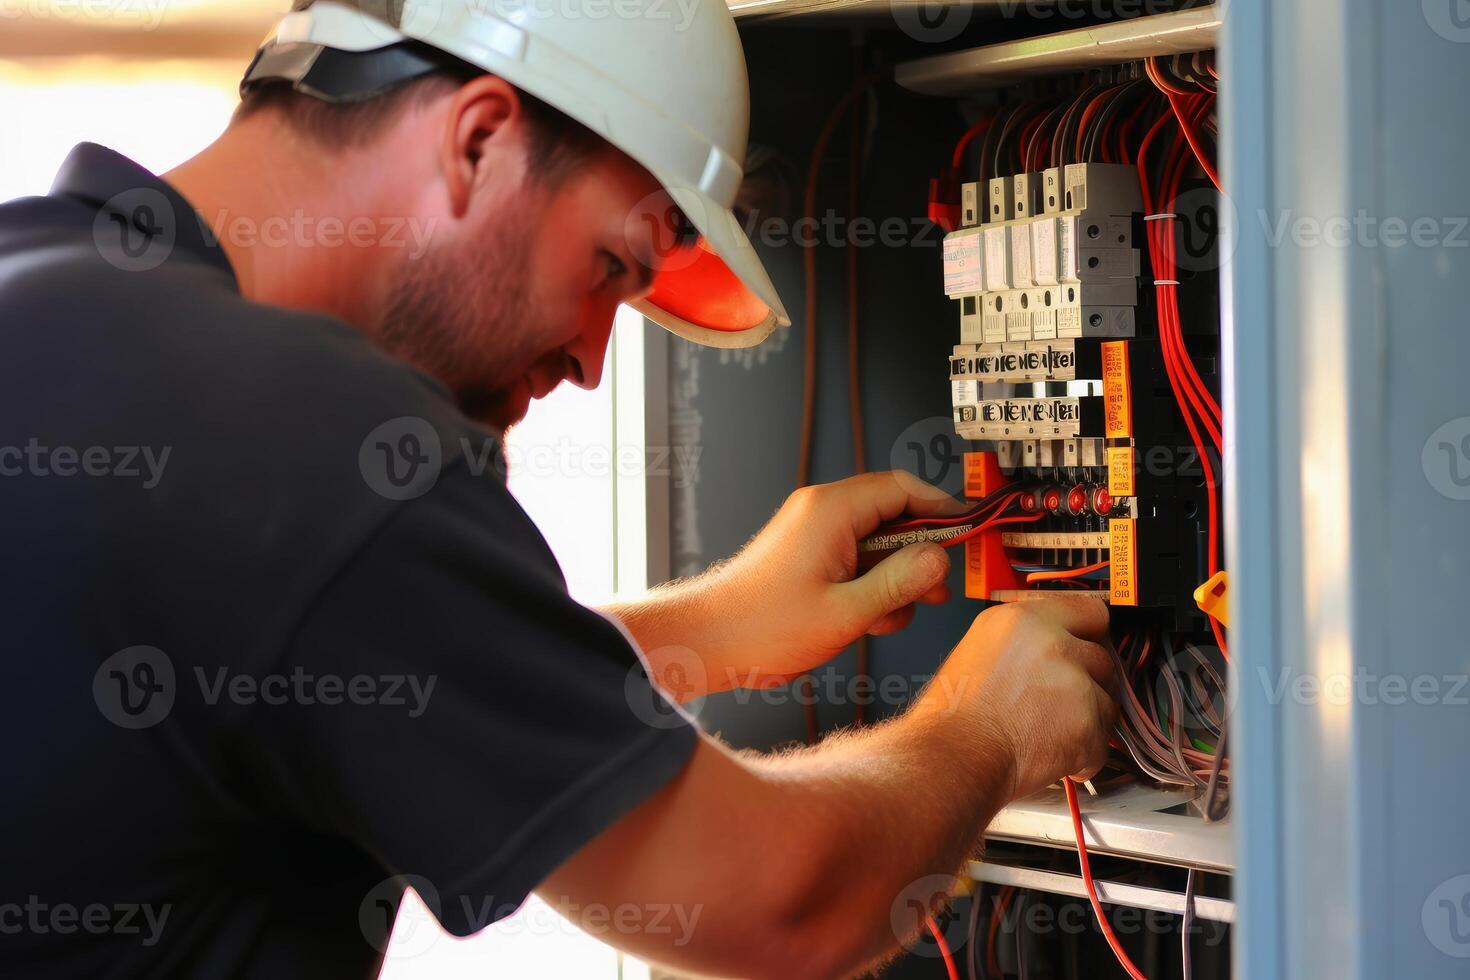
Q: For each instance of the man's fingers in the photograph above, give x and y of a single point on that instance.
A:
(897, 581)
(1081, 615)
(900, 618)
(1095, 659)
(893, 622)
(873, 499)
(1096, 753)
(936, 596)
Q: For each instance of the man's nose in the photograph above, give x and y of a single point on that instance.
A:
(588, 353)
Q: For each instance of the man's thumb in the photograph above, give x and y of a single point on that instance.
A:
(898, 580)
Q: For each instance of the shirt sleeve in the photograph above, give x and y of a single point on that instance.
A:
(482, 726)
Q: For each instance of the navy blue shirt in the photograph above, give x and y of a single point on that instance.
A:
(277, 639)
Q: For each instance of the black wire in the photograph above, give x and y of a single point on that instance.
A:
(973, 940)
(1020, 937)
(1213, 784)
(1000, 170)
(991, 141)
(1099, 123)
(1067, 137)
(1047, 122)
(1113, 108)
(1154, 105)
(1058, 143)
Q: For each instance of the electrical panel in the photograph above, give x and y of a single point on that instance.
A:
(1059, 372)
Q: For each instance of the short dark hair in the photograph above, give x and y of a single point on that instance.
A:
(558, 142)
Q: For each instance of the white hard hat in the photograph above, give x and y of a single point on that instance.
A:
(663, 81)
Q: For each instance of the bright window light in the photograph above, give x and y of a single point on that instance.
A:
(157, 114)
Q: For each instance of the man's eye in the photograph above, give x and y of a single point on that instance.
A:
(615, 267)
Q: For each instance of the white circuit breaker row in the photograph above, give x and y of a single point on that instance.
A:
(1041, 259)
(1046, 255)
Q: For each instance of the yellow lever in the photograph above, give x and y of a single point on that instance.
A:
(1210, 598)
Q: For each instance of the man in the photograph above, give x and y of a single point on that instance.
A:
(281, 642)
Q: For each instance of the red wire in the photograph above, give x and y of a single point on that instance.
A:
(1175, 96)
(1188, 388)
(1161, 243)
(1204, 107)
(1032, 128)
(1151, 66)
(965, 140)
(944, 950)
(1127, 129)
(1066, 573)
(980, 529)
(979, 514)
(1088, 114)
(1102, 919)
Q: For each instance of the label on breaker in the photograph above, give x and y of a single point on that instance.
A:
(1063, 540)
(1030, 411)
(1021, 257)
(1120, 472)
(1067, 248)
(1123, 571)
(1069, 322)
(1044, 324)
(1018, 325)
(1117, 399)
(993, 324)
(1035, 361)
(963, 271)
(1044, 251)
(997, 258)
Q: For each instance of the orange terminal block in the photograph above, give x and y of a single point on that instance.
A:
(987, 569)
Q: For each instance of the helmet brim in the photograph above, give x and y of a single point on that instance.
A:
(718, 293)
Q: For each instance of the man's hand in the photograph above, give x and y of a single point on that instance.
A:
(1021, 701)
(792, 598)
(1036, 678)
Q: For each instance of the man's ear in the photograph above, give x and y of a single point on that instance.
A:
(475, 135)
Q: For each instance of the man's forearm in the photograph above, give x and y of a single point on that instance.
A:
(908, 801)
(811, 862)
(687, 635)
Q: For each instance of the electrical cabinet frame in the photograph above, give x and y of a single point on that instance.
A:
(1347, 428)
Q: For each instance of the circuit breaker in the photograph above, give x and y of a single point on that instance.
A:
(1059, 375)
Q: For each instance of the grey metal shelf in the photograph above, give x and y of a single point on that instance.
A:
(1126, 820)
(866, 10)
(1109, 892)
(962, 72)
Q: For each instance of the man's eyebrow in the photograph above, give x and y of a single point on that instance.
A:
(645, 264)
(642, 269)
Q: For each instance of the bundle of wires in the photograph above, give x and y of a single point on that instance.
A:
(1171, 724)
(994, 510)
(1188, 112)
